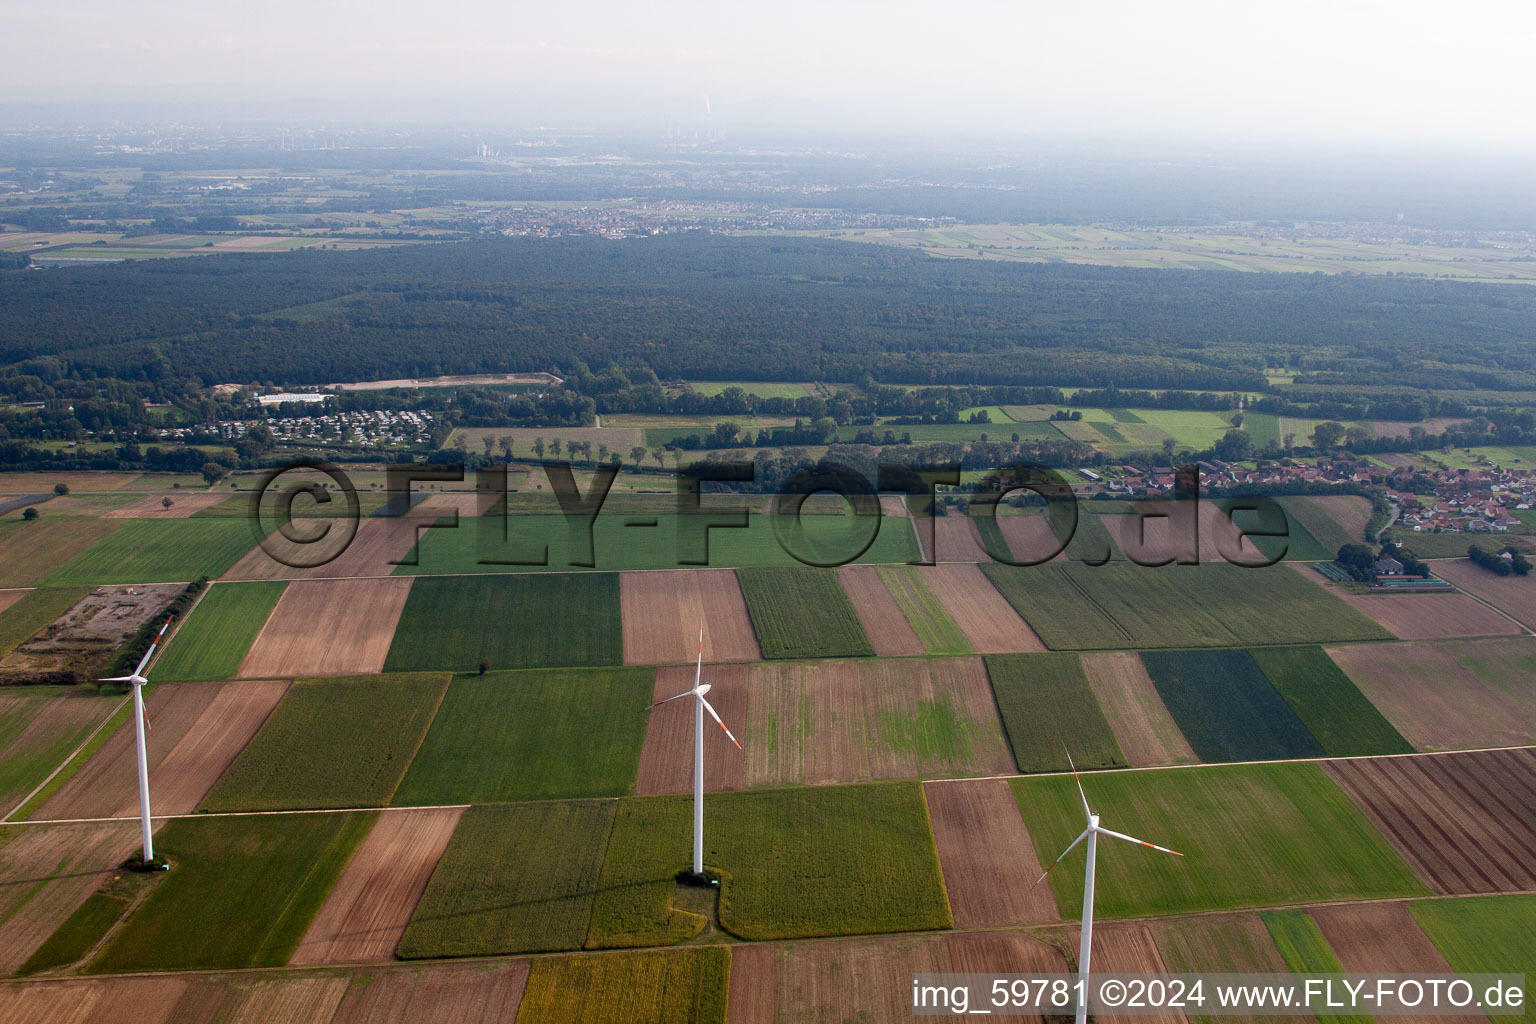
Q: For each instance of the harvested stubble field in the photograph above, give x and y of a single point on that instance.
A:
(527, 621)
(34, 610)
(1466, 822)
(46, 872)
(989, 622)
(1047, 709)
(990, 866)
(1146, 732)
(198, 729)
(825, 860)
(182, 506)
(1515, 596)
(1079, 607)
(1484, 934)
(376, 550)
(366, 914)
(1331, 707)
(685, 986)
(215, 638)
(30, 551)
(1378, 938)
(328, 627)
(1252, 836)
(516, 878)
(1420, 616)
(150, 551)
(1126, 948)
(447, 993)
(825, 722)
(38, 731)
(802, 612)
(546, 734)
(662, 610)
(242, 893)
(1226, 707)
(1457, 695)
(851, 979)
(342, 742)
(1335, 520)
(888, 630)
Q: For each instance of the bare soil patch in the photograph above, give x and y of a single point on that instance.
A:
(366, 913)
(666, 756)
(1422, 616)
(182, 506)
(1350, 511)
(312, 998)
(107, 785)
(1515, 596)
(442, 994)
(48, 871)
(893, 505)
(1465, 822)
(1030, 538)
(10, 597)
(189, 771)
(955, 539)
(1461, 695)
(983, 615)
(1146, 732)
(374, 551)
(1380, 938)
(1125, 948)
(662, 611)
(328, 627)
(87, 636)
(882, 619)
(988, 860)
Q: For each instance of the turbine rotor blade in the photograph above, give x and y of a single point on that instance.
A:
(669, 700)
(118, 679)
(1087, 814)
(710, 708)
(151, 652)
(1139, 842)
(1063, 856)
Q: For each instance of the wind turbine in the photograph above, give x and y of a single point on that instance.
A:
(700, 705)
(137, 681)
(1091, 833)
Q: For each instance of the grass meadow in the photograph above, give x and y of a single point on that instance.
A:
(159, 551)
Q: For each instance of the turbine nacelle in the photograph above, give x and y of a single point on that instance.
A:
(701, 689)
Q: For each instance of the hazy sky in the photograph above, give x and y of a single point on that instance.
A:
(1326, 68)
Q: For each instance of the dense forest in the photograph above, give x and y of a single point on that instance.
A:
(710, 307)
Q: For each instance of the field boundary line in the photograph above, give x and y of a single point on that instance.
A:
(65, 763)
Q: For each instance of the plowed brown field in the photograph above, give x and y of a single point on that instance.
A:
(883, 622)
(1465, 822)
(825, 722)
(662, 611)
(1350, 511)
(1145, 730)
(956, 540)
(1030, 538)
(1422, 616)
(48, 871)
(379, 543)
(366, 913)
(868, 978)
(1125, 948)
(328, 627)
(153, 507)
(983, 615)
(1515, 596)
(989, 863)
(442, 994)
(1380, 938)
(10, 597)
(1461, 695)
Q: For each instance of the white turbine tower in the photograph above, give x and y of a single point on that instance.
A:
(137, 681)
(1091, 833)
(700, 705)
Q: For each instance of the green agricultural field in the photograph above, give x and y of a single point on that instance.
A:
(1299, 543)
(1328, 702)
(802, 612)
(159, 551)
(761, 389)
(964, 433)
(1226, 707)
(676, 986)
(78, 935)
(1305, 950)
(824, 860)
(1189, 428)
(214, 639)
(536, 735)
(515, 878)
(1483, 934)
(1452, 545)
(932, 624)
(335, 742)
(34, 611)
(1073, 606)
(543, 621)
(39, 728)
(1048, 709)
(30, 551)
(1251, 835)
(542, 543)
(241, 892)
(1327, 531)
